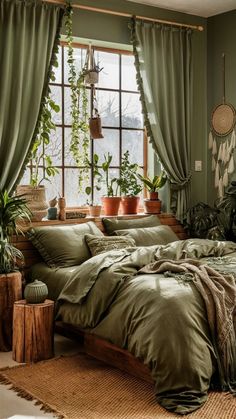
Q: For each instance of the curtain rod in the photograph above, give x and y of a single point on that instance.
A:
(114, 13)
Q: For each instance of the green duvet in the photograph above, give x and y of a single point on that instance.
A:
(157, 317)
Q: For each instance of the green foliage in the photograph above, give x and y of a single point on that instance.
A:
(39, 155)
(154, 184)
(80, 139)
(13, 211)
(112, 185)
(96, 174)
(128, 182)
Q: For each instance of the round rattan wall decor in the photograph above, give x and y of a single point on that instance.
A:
(223, 119)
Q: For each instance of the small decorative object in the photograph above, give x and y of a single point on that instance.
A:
(36, 292)
(72, 214)
(52, 213)
(53, 202)
(95, 123)
(222, 127)
(62, 208)
(95, 210)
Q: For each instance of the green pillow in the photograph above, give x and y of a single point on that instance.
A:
(150, 236)
(65, 245)
(112, 224)
(103, 244)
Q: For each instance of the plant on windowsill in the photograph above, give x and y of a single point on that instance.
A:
(153, 204)
(129, 185)
(94, 209)
(13, 211)
(111, 202)
(34, 193)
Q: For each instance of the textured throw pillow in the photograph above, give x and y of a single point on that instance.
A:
(103, 244)
(62, 246)
(112, 225)
(150, 236)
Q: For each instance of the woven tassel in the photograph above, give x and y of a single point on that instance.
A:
(220, 188)
(227, 152)
(210, 140)
(214, 148)
(217, 175)
(223, 153)
(231, 165)
(213, 164)
(219, 158)
(233, 140)
(225, 178)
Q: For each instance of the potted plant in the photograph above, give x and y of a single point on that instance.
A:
(13, 211)
(129, 185)
(111, 202)
(91, 69)
(153, 204)
(94, 210)
(34, 193)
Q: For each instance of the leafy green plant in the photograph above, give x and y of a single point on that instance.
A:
(96, 175)
(112, 185)
(13, 211)
(155, 183)
(128, 182)
(79, 143)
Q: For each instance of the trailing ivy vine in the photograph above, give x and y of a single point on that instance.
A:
(39, 154)
(80, 139)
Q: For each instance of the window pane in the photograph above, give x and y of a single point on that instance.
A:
(108, 107)
(128, 73)
(110, 143)
(131, 111)
(57, 97)
(73, 197)
(133, 141)
(109, 76)
(113, 173)
(54, 149)
(25, 180)
(54, 187)
(79, 57)
(57, 70)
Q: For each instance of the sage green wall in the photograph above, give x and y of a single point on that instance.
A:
(221, 39)
(114, 29)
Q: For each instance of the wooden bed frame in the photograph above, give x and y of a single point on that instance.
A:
(93, 345)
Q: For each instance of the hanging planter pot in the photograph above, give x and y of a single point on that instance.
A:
(91, 69)
(95, 126)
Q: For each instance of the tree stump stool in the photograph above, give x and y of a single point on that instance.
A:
(33, 327)
(10, 291)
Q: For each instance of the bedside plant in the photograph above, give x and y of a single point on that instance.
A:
(13, 210)
(111, 202)
(153, 184)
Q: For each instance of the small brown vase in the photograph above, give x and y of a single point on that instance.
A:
(111, 204)
(129, 204)
(95, 210)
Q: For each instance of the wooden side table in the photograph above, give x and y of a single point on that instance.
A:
(10, 291)
(33, 327)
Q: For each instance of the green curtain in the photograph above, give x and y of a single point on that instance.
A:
(29, 35)
(164, 74)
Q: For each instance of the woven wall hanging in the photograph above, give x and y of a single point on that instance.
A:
(222, 140)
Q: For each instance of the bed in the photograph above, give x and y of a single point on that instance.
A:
(144, 298)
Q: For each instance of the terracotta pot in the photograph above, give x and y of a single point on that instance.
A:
(111, 204)
(129, 204)
(152, 206)
(95, 126)
(153, 195)
(36, 200)
(95, 210)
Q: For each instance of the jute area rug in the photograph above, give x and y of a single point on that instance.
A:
(80, 387)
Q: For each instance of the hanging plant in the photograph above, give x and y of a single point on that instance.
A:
(91, 69)
(95, 123)
(79, 143)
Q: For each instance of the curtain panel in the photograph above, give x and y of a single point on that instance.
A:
(29, 37)
(164, 74)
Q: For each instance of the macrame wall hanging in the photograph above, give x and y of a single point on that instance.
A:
(222, 140)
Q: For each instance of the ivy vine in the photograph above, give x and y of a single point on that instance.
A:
(80, 139)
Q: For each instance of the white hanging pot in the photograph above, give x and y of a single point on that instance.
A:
(91, 77)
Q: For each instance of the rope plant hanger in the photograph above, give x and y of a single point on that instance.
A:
(222, 128)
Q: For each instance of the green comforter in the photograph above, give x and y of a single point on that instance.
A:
(159, 319)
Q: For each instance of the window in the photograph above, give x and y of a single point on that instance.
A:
(120, 110)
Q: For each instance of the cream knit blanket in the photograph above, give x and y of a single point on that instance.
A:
(218, 291)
